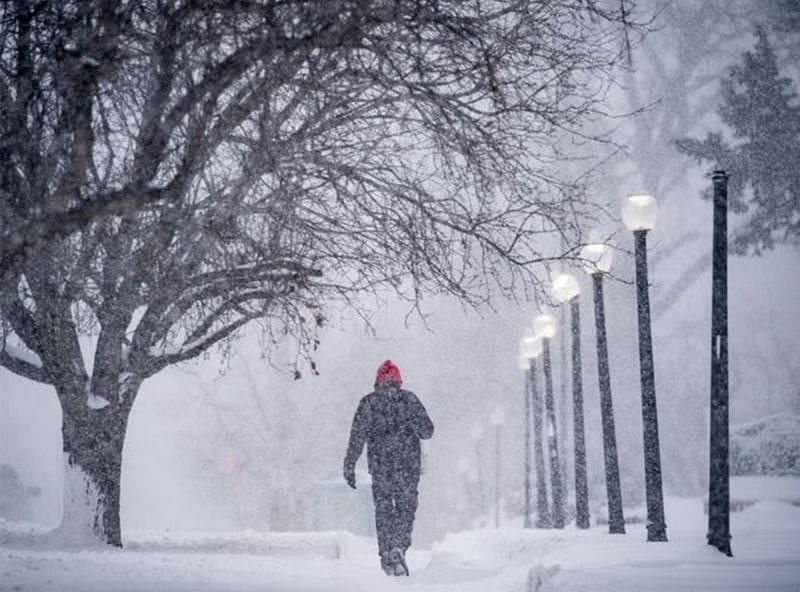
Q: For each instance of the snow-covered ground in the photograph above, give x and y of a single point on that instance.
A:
(766, 546)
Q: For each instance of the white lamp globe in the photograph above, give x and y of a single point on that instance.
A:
(545, 325)
(530, 347)
(597, 258)
(639, 212)
(565, 287)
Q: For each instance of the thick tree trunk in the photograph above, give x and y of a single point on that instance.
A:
(93, 441)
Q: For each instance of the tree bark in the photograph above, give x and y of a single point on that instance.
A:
(93, 442)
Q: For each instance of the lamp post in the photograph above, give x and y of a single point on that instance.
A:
(464, 471)
(639, 214)
(476, 433)
(527, 420)
(526, 513)
(530, 350)
(719, 534)
(527, 468)
(598, 258)
(545, 326)
(497, 420)
(567, 289)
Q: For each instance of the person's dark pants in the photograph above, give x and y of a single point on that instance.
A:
(395, 498)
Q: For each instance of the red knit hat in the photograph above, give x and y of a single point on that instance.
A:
(388, 371)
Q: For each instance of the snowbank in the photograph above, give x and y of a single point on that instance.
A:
(331, 545)
(766, 546)
(755, 488)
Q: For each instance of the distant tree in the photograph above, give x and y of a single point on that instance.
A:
(760, 108)
(770, 446)
(675, 77)
(174, 169)
(14, 504)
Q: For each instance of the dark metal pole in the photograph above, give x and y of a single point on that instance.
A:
(581, 484)
(552, 438)
(656, 526)
(562, 405)
(719, 534)
(528, 428)
(616, 519)
(542, 507)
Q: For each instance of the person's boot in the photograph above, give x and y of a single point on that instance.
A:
(397, 558)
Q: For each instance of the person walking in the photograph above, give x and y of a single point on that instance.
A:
(391, 421)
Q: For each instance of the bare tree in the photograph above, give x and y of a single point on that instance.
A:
(176, 169)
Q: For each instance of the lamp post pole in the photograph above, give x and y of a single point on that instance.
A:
(497, 440)
(566, 289)
(616, 518)
(477, 437)
(552, 439)
(528, 437)
(581, 482)
(656, 526)
(497, 420)
(542, 506)
(464, 471)
(719, 534)
(598, 258)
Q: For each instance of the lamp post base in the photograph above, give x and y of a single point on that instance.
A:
(657, 533)
(721, 543)
(616, 528)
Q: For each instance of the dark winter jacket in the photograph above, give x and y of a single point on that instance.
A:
(391, 421)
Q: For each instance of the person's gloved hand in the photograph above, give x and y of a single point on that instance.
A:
(350, 477)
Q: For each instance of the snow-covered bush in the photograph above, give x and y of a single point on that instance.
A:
(768, 446)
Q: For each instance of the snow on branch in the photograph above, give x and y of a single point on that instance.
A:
(23, 362)
(191, 349)
(96, 402)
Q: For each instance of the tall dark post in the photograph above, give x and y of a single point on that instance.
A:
(561, 396)
(616, 519)
(656, 526)
(528, 428)
(581, 484)
(552, 439)
(542, 506)
(719, 534)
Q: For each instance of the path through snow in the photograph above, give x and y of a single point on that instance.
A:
(766, 545)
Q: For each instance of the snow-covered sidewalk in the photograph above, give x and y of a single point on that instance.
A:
(766, 545)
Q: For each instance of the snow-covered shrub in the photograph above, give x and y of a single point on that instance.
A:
(768, 446)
